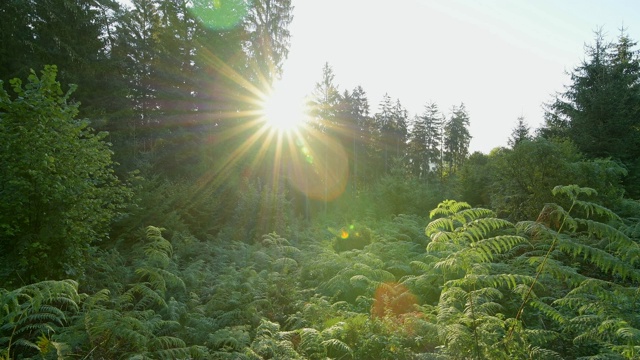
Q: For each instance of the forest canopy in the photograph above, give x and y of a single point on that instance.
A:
(149, 209)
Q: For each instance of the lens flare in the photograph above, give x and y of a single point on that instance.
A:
(319, 168)
(283, 111)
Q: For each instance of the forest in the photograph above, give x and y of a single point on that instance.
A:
(147, 211)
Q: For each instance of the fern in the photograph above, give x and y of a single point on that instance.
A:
(230, 339)
(594, 308)
(270, 342)
(33, 313)
(465, 242)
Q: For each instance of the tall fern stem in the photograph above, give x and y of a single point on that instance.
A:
(538, 273)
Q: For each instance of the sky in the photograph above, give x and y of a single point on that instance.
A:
(501, 58)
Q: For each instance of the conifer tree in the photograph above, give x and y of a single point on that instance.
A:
(456, 138)
(391, 121)
(520, 133)
(600, 109)
(353, 122)
(71, 34)
(267, 23)
(424, 141)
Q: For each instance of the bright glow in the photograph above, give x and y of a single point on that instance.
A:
(283, 110)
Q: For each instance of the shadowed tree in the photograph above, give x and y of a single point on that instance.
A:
(72, 34)
(456, 138)
(600, 109)
(424, 141)
(267, 23)
(391, 120)
(520, 133)
(58, 192)
(353, 119)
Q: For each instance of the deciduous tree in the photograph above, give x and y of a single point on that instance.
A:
(58, 192)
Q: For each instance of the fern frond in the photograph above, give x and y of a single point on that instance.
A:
(549, 311)
(478, 229)
(573, 191)
(141, 296)
(421, 265)
(35, 309)
(167, 342)
(361, 281)
(535, 229)
(273, 239)
(448, 207)
(310, 341)
(176, 353)
(158, 250)
(289, 250)
(496, 245)
(558, 270)
(337, 345)
(284, 264)
(467, 216)
(510, 281)
(617, 240)
(439, 225)
(591, 208)
(450, 263)
(536, 352)
(540, 336)
(603, 260)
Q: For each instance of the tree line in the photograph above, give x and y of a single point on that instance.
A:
(137, 220)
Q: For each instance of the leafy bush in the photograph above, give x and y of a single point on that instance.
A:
(59, 192)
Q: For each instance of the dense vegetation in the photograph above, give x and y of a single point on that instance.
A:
(147, 212)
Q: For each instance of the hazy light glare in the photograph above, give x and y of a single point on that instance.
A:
(319, 168)
(283, 111)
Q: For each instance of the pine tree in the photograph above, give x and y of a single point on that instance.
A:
(267, 23)
(600, 109)
(137, 46)
(456, 138)
(73, 35)
(424, 142)
(391, 121)
(324, 102)
(400, 129)
(520, 133)
(353, 119)
(325, 107)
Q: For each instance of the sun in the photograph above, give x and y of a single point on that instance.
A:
(283, 110)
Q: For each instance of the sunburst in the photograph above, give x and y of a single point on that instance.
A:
(283, 110)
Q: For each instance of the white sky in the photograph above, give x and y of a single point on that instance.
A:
(502, 58)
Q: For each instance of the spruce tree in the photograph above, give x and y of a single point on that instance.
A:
(600, 109)
(456, 138)
(520, 133)
(424, 141)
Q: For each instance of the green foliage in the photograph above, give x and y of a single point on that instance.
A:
(467, 242)
(475, 180)
(136, 321)
(59, 193)
(456, 139)
(260, 209)
(236, 276)
(33, 314)
(599, 110)
(522, 176)
(583, 248)
(181, 206)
